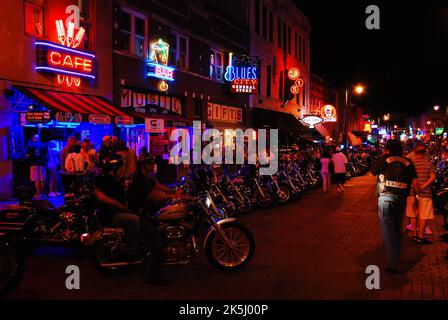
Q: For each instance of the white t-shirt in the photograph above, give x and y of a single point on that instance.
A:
(74, 162)
(339, 160)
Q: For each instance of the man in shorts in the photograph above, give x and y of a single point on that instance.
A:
(421, 207)
(36, 154)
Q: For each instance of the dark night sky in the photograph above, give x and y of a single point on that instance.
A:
(404, 65)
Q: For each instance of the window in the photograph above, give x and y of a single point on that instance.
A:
(295, 45)
(300, 48)
(284, 36)
(303, 95)
(216, 64)
(271, 27)
(34, 20)
(304, 51)
(280, 86)
(265, 22)
(268, 80)
(289, 39)
(279, 32)
(257, 16)
(178, 50)
(133, 34)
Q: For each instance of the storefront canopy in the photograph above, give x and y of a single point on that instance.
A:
(71, 102)
(284, 122)
(173, 119)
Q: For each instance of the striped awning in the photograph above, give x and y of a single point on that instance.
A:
(71, 102)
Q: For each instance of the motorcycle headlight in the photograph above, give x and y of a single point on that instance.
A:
(208, 201)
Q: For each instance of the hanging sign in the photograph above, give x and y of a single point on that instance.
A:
(158, 62)
(64, 59)
(99, 119)
(328, 113)
(38, 117)
(68, 117)
(242, 73)
(124, 121)
(312, 120)
(294, 74)
(154, 125)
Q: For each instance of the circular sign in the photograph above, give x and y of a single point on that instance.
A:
(328, 113)
(163, 86)
(300, 82)
(295, 89)
(293, 73)
(311, 120)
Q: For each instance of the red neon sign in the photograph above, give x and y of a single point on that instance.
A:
(69, 61)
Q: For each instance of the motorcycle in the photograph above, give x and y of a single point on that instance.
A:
(228, 245)
(36, 223)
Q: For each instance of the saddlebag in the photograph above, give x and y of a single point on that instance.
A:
(13, 220)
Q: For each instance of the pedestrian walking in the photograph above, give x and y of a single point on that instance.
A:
(339, 160)
(67, 150)
(396, 176)
(325, 171)
(420, 208)
(36, 154)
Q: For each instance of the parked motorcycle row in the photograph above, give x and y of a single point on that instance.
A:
(207, 220)
(184, 224)
(239, 192)
(440, 187)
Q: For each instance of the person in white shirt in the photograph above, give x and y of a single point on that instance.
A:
(339, 160)
(75, 161)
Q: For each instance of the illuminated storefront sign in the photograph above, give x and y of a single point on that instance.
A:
(217, 112)
(439, 131)
(63, 59)
(294, 75)
(158, 62)
(99, 119)
(140, 99)
(312, 120)
(124, 121)
(58, 59)
(328, 113)
(68, 117)
(242, 73)
(154, 125)
(38, 117)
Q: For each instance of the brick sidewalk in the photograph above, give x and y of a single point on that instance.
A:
(316, 248)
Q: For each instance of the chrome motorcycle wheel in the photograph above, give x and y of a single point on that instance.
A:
(264, 201)
(237, 253)
(283, 195)
(12, 268)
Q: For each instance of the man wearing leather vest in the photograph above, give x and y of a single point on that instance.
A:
(396, 175)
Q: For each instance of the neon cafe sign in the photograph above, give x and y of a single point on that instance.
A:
(243, 76)
(64, 60)
(158, 64)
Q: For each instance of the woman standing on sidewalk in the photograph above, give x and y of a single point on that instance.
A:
(325, 160)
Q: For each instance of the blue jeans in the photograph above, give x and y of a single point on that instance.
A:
(391, 209)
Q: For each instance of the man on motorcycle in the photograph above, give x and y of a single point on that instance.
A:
(115, 213)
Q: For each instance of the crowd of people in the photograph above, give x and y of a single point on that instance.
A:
(76, 158)
(404, 187)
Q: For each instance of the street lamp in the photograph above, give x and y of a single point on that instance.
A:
(436, 108)
(386, 117)
(358, 89)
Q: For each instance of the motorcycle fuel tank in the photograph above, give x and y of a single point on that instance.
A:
(173, 211)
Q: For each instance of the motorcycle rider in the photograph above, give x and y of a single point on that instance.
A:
(145, 192)
(111, 194)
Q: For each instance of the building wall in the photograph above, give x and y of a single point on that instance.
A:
(206, 25)
(18, 60)
(280, 59)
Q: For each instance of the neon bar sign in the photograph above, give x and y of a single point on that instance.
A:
(55, 58)
(243, 77)
(158, 62)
